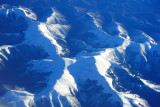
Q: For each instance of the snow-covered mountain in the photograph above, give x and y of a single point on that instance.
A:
(79, 53)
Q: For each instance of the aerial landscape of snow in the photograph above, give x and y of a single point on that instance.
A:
(79, 53)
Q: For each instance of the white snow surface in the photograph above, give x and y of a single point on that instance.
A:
(67, 71)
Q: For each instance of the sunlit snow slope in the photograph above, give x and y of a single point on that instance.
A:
(79, 53)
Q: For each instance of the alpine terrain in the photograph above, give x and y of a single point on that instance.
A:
(79, 53)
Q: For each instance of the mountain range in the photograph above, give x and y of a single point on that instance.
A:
(79, 53)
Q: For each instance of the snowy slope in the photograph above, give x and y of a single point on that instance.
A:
(79, 53)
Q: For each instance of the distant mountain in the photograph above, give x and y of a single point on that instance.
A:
(79, 53)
